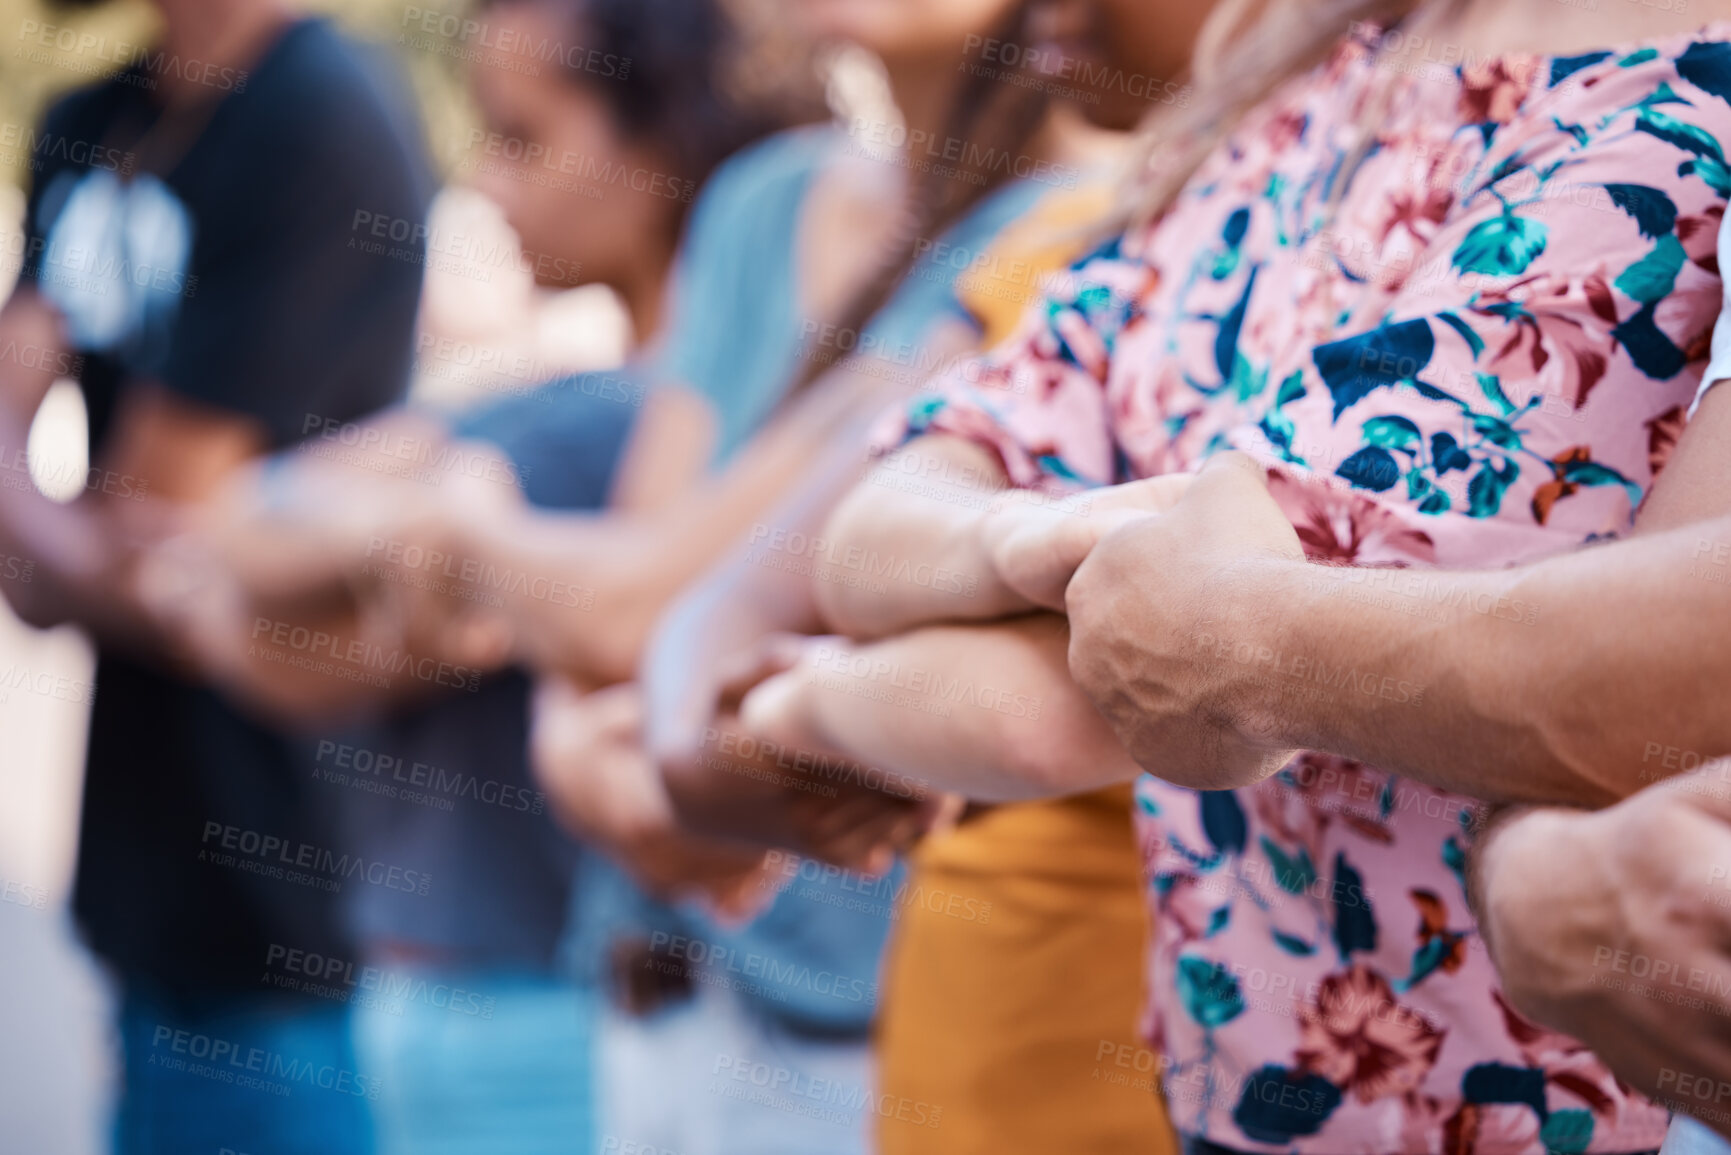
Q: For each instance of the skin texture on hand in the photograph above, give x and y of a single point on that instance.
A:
(1150, 610)
(1200, 635)
(585, 753)
(787, 790)
(1614, 926)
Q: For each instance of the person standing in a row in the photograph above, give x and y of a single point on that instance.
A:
(201, 255)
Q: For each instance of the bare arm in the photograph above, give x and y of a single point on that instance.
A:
(1613, 927)
(946, 540)
(988, 711)
(1571, 681)
(632, 566)
(164, 454)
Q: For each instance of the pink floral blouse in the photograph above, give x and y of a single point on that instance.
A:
(1481, 355)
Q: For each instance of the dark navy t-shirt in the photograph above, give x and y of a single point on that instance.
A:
(216, 251)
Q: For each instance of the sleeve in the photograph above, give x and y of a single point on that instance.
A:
(1039, 399)
(302, 310)
(565, 438)
(733, 337)
(1719, 368)
(1524, 385)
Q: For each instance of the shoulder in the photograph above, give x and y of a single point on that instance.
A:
(327, 97)
(81, 115)
(765, 174)
(1675, 92)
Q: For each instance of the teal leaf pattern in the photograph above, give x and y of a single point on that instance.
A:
(1208, 991)
(1503, 246)
(1651, 278)
(1687, 137)
(1292, 873)
(1655, 213)
(1567, 1132)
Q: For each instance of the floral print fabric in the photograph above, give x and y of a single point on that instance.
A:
(1476, 353)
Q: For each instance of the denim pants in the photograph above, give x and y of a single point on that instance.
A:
(249, 1075)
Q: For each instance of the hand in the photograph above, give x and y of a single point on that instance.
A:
(586, 752)
(1143, 606)
(1035, 541)
(1614, 926)
(776, 786)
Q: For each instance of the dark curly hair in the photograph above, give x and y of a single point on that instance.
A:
(670, 76)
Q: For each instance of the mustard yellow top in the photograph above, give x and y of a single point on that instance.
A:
(1014, 971)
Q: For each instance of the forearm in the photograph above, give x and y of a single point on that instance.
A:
(1599, 922)
(60, 561)
(985, 711)
(914, 530)
(739, 601)
(1574, 681)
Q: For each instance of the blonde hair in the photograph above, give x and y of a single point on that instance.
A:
(1246, 50)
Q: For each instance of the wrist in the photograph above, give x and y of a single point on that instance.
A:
(1267, 619)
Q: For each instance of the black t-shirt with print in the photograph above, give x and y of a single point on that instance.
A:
(260, 255)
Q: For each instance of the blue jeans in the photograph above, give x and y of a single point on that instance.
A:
(245, 1075)
(480, 1063)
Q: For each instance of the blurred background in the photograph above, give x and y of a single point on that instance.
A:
(56, 1060)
